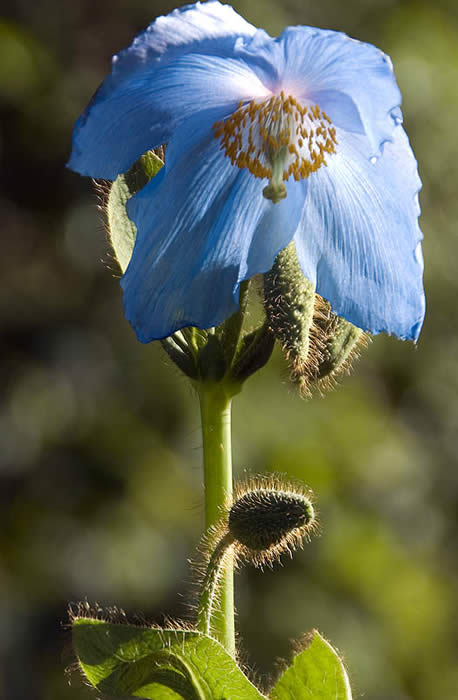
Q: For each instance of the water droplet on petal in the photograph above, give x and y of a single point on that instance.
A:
(373, 160)
(398, 120)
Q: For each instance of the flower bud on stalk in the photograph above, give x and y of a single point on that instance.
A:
(266, 519)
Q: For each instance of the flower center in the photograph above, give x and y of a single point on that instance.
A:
(276, 139)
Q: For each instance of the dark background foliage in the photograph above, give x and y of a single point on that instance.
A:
(101, 484)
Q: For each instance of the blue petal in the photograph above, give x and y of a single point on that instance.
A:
(203, 226)
(200, 28)
(180, 64)
(352, 81)
(359, 238)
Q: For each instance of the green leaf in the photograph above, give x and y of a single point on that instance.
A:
(317, 672)
(121, 230)
(126, 660)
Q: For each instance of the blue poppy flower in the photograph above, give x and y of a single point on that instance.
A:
(269, 140)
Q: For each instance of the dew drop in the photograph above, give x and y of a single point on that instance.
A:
(373, 160)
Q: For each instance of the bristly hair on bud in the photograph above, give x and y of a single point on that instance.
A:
(267, 518)
(289, 304)
(318, 345)
(343, 344)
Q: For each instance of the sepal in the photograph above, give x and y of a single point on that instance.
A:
(212, 360)
(122, 232)
(254, 352)
(181, 356)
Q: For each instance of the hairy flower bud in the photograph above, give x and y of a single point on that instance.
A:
(317, 344)
(343, 343)
(289, 302)
(268, 518)
(264, 517)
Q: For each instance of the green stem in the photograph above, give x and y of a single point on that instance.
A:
(215, 408)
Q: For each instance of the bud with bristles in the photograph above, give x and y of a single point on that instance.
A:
(343, 340)
(318, 344)
(289, 302)
(266, 519)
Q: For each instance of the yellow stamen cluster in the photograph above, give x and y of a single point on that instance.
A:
(262, 136)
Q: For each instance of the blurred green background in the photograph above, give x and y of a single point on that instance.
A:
(100, 459)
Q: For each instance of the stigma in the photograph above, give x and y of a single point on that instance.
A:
(277, 138)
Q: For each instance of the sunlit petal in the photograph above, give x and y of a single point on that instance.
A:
(359, 237)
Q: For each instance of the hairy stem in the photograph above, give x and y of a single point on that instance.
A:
(218, 562)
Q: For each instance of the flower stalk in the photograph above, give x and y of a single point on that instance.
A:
(219, 562)
(215, 409)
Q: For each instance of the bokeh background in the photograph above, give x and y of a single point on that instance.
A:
(100, 457)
